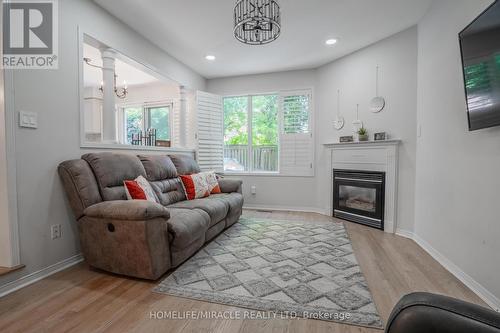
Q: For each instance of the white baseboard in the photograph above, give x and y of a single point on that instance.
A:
(290, 209)
(405, 233)
(38, 275)
(472, 284)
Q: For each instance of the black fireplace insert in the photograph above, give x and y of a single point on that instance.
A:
(358, 196)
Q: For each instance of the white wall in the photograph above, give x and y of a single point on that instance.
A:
(54, 95)
(355, 75)
(272, 191)
(457, 192)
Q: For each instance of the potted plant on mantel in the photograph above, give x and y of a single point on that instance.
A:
(362, 134)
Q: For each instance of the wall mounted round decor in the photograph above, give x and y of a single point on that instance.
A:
(377, 103)
(338, 122)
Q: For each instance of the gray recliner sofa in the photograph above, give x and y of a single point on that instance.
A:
(136, 237)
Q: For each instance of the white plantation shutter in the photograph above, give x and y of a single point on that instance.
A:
(210, 131)
(296, 137)
(176, 125)
(191, 139)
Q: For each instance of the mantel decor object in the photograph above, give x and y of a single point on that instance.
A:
(348, 138)
(339, 121)
(362, 134)
(357, 124)
(377, 103)
(382, 136)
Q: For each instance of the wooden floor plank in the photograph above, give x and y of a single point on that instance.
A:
(80, 299)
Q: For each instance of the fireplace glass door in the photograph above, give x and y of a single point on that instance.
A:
(359, 196)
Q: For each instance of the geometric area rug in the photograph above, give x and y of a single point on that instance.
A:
(300, 268)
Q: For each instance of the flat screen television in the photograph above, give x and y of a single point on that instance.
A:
(480, 46)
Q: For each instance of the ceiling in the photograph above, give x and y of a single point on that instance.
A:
(125, 72)
(191, 29)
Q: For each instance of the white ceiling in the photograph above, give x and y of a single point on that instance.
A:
(92, 76)
(191, 29)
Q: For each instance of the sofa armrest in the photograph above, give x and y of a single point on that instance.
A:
(230, 185)
(425, 312)
(127, 210)
(126, 237)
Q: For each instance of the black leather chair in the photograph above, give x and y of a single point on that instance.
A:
(430, 313)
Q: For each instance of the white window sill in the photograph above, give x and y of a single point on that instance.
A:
(260, 174)
(133, 147)
(242, 173)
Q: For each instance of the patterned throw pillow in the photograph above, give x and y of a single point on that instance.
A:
(139, 189)
(213, 184)
(195, 186)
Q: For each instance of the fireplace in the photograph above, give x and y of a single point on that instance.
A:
(358, 196)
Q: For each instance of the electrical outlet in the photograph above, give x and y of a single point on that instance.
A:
(55, 231)
(254, 189)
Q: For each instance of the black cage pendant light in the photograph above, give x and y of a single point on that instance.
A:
(257, 22)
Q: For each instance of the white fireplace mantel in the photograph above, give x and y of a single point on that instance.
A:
(379, 156)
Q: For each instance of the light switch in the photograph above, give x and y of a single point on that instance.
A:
(28, 119)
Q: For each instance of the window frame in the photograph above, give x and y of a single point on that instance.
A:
(279, 94)
(250, 134)
(122, 120)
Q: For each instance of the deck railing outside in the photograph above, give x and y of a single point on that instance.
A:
(264, 158)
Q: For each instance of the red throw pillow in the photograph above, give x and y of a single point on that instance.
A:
(139, 189)
(195, 186)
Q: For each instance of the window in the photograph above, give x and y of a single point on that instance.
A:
(264, 149)
(139, 119)
(251, 133)
(296, 114)
(236, 134)
(159, 119)
(269, 133)
(134, 122)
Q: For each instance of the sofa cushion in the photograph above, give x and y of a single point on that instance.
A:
(235, 202)
(216, 209)
(158, 167)
(80, 185)
(111, 169)
(215, 230)
(162, 174)
(186, 226)
(230, 185)
(185, 164)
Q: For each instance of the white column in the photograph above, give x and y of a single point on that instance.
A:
(9, 239)
(183, 118)
(108, 102)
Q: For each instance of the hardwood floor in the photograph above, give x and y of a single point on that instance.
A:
(7, 270)
(83, 300)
